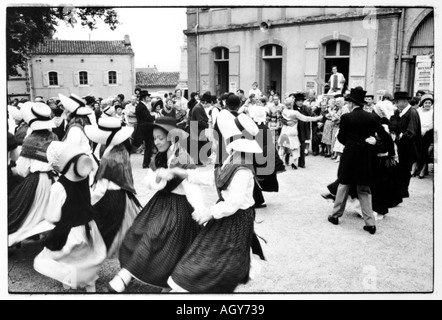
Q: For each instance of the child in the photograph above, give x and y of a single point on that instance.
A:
(113, 194)
(74, 250)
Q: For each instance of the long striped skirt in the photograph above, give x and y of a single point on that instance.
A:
(219, 258)
(161, 234)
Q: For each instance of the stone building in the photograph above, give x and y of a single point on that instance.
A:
(101, 68)
(294, 48)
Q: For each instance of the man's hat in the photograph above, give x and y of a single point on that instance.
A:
(144, 93)
(109, 131)
(401, 95)
(37, 115)
(299, 96)
(357, 96)
(206, 97)
(241, 130)
(74, 104)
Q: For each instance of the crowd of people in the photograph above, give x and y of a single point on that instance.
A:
(70, 156)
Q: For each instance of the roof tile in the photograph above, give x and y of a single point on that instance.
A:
(155, 79)
(82, 47)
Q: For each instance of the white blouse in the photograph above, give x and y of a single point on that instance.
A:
(26, 165)
(426, 118)
(239, 194)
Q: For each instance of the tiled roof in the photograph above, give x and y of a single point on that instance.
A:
(156, 79)
(82, 47)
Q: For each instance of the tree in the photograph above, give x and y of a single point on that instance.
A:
(27, 27)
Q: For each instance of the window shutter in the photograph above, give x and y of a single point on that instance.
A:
(204, 70)
(76, 78)
(311, 66)
(119, 78)
(45, 79)
(358, 62)
(105, 78)
(60, 79)
(90, 78)
(234, 58)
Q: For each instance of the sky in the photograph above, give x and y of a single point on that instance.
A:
(156, 35)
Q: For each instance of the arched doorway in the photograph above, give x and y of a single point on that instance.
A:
(337, 53)
(221, 70)
(271, 76)
(421, 52)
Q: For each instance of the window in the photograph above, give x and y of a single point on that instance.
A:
(221, 70)
(337, 49)
(83, 77)
(53, 78)
(221, 54)
(272, 51)
(112, 77)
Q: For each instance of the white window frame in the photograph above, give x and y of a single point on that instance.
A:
(116, 78)
(274, 54)
(79, 79)
(49, 79)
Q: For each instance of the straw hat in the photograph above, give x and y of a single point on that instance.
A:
(75, 104)
(241, 130)
(61, 154)
(37, 115)
(109, 131)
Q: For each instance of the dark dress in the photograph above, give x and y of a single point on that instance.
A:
(199, 121)
(409, 126)
(117, 209)
(162, 232)
(219, 258)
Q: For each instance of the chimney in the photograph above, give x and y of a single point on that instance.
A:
(126, 40)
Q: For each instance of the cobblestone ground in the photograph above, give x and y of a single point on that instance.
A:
(305, 253)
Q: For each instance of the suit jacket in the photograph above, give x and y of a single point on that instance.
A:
(143, 117)
(200, 117)
(357, 161)
(304, 127)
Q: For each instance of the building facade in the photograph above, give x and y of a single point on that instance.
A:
(292, 48)
(101, 68)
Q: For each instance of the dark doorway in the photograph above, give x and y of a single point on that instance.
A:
(272, 75)
(343, 67)
(221, 77)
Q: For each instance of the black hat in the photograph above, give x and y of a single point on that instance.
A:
(233, 101)
(401, 95)
(144, 93)
(299, 96)
(225, 95)
(207, 97)
(369, 96)
(213, 99)
(357, 96)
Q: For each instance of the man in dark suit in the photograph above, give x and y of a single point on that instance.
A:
(303, 127)
(199, 122)
(356, 165)
(142, 112)
(406, 124)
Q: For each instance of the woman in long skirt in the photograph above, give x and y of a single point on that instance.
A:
(29, 200)
(220, 257)
(164, 229)
(74, 250)
(113, 193)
